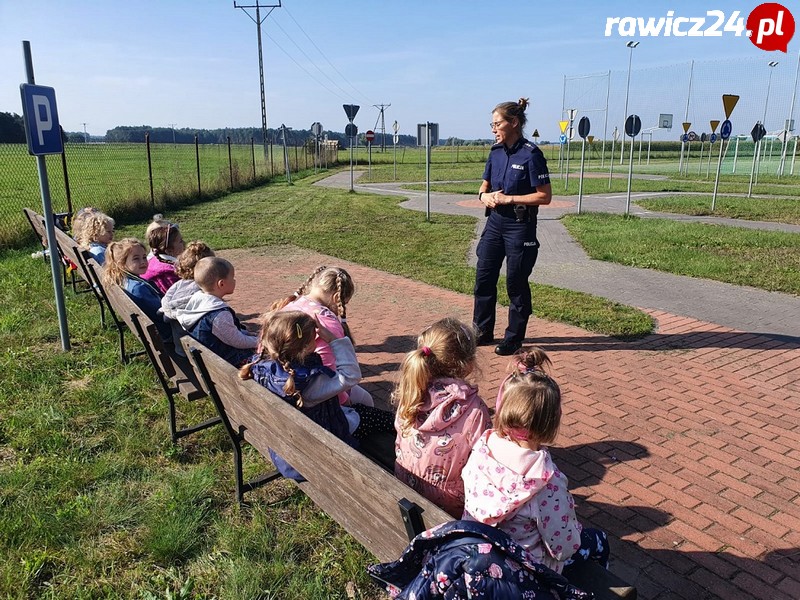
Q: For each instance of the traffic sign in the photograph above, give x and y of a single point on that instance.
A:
(536, 133)
(395, 127)
(584, 125)
(571, 132)
(41, 120)
(351, 130)
(370, 135)
(712, 138)
(692, 136)
(714, 125)
(562, 139)
(729, 102)
(316, 129)
(396, 138)
(685, 138)
(726, 129)
(703, 137)
(351, 110)
(686, 127)
(590, 139)
(758, 132)
(563, 125)
(633, 125)
(615, 134)
(572, 112)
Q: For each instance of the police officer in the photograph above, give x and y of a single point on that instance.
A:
(515, 183)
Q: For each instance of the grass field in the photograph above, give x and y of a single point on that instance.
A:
(781, 210)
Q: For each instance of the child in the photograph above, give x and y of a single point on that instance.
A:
(166, 243)
(439, 415)
(511, 481)
(288, 366)
(324, 295)
(126, 262)
(178, 295)
(209, 319)
(94, 231)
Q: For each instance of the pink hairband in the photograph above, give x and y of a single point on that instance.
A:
(522, 369)
(426, 351)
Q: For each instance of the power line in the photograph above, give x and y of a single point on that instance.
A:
(381, 108)
(359, 92)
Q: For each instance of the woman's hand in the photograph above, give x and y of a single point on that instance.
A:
(495, 199)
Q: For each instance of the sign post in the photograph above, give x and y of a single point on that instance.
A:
(614, 137)
(584, 126)
(43, 133)
(570, 134)
(758, 132)
(395, 139)
(351, 110)
(369, 136)
(633, 125)
(728, 104)
(684, 138)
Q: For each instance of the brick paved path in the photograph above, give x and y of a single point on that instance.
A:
(684, 446)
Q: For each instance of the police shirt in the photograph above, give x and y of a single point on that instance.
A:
(516, 171)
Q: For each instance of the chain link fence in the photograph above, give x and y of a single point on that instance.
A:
(139, 179)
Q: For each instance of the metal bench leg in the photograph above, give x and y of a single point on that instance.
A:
(412, 518)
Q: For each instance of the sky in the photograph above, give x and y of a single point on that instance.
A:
(194, 63)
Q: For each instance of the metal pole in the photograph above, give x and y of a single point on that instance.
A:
(630, 177)
(611, 162)
(428, 170)
(719, 167)
(649, 142)
(708, 164)
(605, 124)
(631, 46)
(700, 162)
(351, 164)
(788, 125)
(49, 222)
(686, 114)
(752, 170)
(735, 154)
(566, 170)
(580, 180)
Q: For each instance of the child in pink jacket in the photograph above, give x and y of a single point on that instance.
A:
(511, 481)
(439, 415)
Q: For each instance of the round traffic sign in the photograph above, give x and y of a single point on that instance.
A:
(562, 139)
(369, 136)
(685, 138)
(351, 130)
(692, 136)
(703, 137)
(712, 138)
(583, 127)
(395, 138)
(633, 125)
(726, 129)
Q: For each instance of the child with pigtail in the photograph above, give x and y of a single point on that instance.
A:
(439, 414)
(289, 367)
(511, 481)
(324, 295)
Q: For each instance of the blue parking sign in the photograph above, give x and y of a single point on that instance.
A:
(41, 120)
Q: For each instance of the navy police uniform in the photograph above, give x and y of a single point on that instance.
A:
(510, 234)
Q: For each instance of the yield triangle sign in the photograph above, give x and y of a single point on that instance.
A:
(729, 102)
(714, 125)
(563, 125)
(350, 110)
(686, 126)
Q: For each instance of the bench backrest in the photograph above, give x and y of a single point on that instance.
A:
(362, 497)
(37, 224)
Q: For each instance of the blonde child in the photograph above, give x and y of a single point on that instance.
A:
(325, 295)
(288, 366)
(126, 261)
(209, 319)
(94, 231)
(511, 481)
(439, 414)
(166, 242)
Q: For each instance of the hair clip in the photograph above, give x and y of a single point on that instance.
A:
(299, 331)
(426, 351)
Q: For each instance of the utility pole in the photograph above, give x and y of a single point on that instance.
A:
(258, 21)
(382, 107)
(172, 125)
(85, 135)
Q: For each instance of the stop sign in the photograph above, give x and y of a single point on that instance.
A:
(370, 135)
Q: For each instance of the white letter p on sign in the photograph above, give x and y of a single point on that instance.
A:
(42, 124)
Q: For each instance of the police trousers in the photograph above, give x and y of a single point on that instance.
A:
(505, 238)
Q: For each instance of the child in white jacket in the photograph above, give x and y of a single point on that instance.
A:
(511, 482)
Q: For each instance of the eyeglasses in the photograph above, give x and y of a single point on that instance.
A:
(496, 124)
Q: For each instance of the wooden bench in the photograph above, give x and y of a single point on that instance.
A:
(377, 509)
(174, 372)
(37, 224)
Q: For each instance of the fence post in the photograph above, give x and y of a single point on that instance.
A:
(197, 162)
(150, 169)
(271, 162)
(230, 161)
(253, 153)
(296, 161)
(66, 181)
